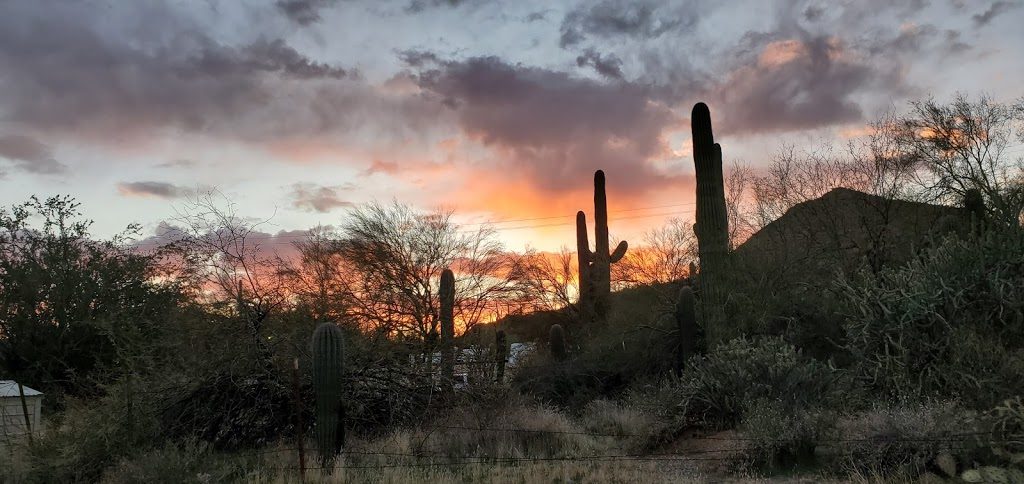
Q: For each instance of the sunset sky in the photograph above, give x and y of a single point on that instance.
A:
(499, 110)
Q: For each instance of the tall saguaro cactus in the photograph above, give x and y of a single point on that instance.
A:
(328, 369)
(712, 227)
(583, 254)
(595, 270)
(447, 295)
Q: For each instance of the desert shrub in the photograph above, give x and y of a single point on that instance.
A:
(173, 463)
(780, 298)
(949, 324)
(519, 430)
(569, 385)
(231, 411)
(89, 436)
(780, 438)
(717, 387)
(627, 426)
(1002, 434)
(904, 439)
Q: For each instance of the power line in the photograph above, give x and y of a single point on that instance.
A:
(553, 217)
(568, 223)
(503, 229)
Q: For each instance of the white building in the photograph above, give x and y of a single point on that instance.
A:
(12, 415)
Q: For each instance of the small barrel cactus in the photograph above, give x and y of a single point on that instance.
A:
(557, 339)
(328, 369)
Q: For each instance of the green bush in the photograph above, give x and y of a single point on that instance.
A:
(717, 387)
(950, 324)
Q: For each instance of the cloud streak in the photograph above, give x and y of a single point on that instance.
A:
(316, 198)
(608, 19)
(994, 10)
(152, 189)
(29, 155)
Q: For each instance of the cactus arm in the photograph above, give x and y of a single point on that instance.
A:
(600, 215)
(620, 250)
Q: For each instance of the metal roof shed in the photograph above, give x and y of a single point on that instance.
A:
(12, 415)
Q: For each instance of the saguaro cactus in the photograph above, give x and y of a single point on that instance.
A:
(598, 263)
(557, 340)
(712, 227)
(500, 355)
(328, 369)
(686, 327)
(447, 317)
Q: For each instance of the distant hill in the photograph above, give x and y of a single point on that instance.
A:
(841, 229)
(846, 227)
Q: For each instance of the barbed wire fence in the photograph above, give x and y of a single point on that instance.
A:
(732, 454)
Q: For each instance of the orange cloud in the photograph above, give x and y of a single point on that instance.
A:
(525, 213)
(851, 133)
(781, 52)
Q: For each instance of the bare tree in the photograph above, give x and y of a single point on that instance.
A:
(551, 279)
(229, 269)
(396, 256)
(738, 184)
(793, 178)
(966, 145)
(664, 256)
(316, 277)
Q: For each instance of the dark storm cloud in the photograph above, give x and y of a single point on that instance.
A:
(793, 85)
(416, 6)
(151, 189)
(316, 198)
(996, 9)
(86, 79)
(551, 126)
(418, 58)
(643, 19)
(303, 12)
(797, 76)
(608, 66)
(29, 154)
(813, 13)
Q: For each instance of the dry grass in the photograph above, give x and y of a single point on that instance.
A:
(514, 442)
